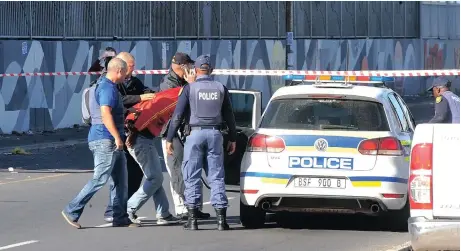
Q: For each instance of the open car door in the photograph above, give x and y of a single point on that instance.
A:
(247, 106)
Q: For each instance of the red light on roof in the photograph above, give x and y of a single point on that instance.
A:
(310, 77)
(363, 78)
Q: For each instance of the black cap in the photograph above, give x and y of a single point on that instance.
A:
(181, 58)
(440, 82)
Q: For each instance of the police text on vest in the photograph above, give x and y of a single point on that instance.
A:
(208, 95)
(320, 162)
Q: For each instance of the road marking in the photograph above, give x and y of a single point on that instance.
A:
(209, 202)
(110, 224)
(32, 179)
(18, 244)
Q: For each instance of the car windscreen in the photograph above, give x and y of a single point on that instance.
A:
(325, 114)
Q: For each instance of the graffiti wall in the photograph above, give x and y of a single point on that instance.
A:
(47, 103)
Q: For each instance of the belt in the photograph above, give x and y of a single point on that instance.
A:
(205, 127)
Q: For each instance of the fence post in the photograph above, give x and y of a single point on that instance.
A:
(30, 19)
(289, 59)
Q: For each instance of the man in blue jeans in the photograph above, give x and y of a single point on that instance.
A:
(106, 141)
(142, 149)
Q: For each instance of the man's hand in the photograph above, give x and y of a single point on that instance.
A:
(169, 148)
(130, 140)
(231, 147)
(147, 96)
(119, 143)
(189, 75)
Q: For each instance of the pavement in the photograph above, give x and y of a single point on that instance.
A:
(36, 186)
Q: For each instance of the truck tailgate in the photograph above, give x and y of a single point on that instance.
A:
(446, 159)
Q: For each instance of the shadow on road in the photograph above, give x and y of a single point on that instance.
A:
(332, 222)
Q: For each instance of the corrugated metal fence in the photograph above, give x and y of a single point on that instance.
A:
(206, 20)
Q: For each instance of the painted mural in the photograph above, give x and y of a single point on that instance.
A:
(48, 103)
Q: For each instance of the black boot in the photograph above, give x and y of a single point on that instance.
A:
(202, 216)
(221, 218)
(191, 223)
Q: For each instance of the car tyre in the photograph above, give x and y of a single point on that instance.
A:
(397, 220)
(290, 220)
(252, 217)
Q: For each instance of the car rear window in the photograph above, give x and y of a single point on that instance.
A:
(325, 114)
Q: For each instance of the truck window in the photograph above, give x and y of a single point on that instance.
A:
(325, 114)
(399, 112)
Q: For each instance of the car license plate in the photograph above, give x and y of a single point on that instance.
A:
(315, 182)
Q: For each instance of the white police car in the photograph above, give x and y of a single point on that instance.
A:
(332, 147)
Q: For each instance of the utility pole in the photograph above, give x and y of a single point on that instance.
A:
(289, 54)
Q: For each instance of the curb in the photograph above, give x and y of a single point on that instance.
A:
(402, 247)
(31, 147)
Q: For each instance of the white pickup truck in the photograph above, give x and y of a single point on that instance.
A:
(434, 187)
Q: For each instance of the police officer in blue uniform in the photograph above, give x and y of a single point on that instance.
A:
(447, 106)
(206, 105)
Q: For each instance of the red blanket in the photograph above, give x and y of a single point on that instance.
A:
(153, 114)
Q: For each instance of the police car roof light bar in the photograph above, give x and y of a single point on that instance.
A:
(376, 81)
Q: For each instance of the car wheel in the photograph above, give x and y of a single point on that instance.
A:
(397, 220)
(252, 217)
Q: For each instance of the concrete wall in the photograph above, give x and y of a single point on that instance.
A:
(47, 103)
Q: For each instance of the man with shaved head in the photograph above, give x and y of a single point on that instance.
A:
(142, 157)
(132, 91)
(106, 141)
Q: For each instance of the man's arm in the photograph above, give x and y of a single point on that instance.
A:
(107, 101)
(228, 115)
(178, 115)
(130, 100)
(165, 85)
(441, 112)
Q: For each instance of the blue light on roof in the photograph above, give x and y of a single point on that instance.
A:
(382, 79)
(338, 78)
(293, 77)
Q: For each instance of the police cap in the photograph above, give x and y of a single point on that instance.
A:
(440, 82)
(203, 62)
(181, 58)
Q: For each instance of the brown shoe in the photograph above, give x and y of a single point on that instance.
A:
(70, 221)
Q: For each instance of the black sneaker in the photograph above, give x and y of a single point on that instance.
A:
(182, 216)
(125, 223)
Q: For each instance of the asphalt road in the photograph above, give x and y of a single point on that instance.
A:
(45, 180)
(31, 201)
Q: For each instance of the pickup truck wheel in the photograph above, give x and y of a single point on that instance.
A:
(397, 220)
(252, 217)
